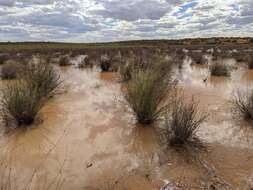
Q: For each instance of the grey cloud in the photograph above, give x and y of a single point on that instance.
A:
(133, 10)
(110, 20)
(7, 3)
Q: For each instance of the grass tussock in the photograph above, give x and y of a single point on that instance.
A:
(219, 69)
(243, 103)
(23, 99)
(183, 121)
(148, 92)
(10, 70)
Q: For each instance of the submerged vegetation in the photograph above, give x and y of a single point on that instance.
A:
(23, 99)
(183, 121)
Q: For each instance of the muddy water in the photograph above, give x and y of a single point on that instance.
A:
(86, 138)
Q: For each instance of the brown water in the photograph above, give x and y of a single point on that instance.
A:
(89, 140)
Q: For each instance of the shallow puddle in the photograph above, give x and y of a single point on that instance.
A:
(88, 139)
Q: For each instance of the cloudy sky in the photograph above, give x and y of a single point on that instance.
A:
(113, 20)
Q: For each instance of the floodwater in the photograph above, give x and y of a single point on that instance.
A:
(87, 138)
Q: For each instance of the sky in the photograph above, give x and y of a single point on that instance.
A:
(119, 20)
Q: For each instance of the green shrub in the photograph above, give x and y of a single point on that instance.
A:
(183, 121)
(24, 98)
(148, 92)
(219, 69)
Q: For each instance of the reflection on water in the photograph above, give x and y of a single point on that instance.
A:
(88, 138)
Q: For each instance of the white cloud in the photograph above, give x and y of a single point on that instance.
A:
(111, 20)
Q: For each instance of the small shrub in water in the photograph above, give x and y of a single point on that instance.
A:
(24, 98)
(197, 58)
(219, 69)
(183, 121)
(148, 93)
(105, 63)
(64, 61)
(243, 103)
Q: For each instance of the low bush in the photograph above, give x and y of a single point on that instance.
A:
(24, 98)
(148, 92)
(182, 121)
(219, 69)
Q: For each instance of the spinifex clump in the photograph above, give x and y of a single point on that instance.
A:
(243, 103)
(183, 121)
(148, 92)
(24, 98)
